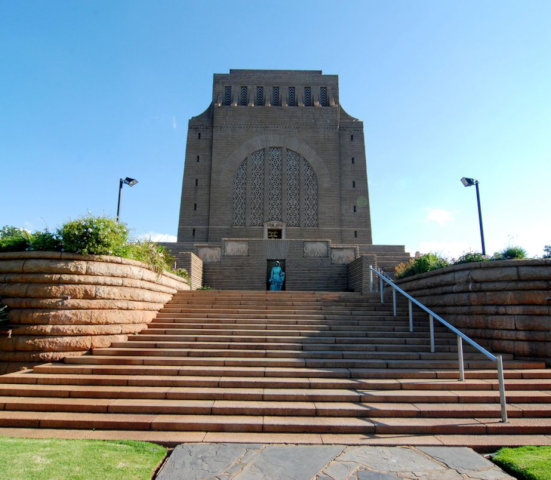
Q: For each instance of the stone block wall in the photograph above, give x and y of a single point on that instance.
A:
(504, 305)
(194, 265)
(359, 273)
(65, 304)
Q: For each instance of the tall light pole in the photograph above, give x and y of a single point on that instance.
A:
(469, 182)
(130, 182)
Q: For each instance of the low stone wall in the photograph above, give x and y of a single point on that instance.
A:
(506, 305)
(64, 304)
(194, 265)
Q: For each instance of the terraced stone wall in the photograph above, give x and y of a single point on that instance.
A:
(506, 305)
(64, 304)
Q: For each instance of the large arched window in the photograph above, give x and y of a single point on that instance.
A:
(275, 184)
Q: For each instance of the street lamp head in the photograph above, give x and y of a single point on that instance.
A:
(468, 182)
(130, 181)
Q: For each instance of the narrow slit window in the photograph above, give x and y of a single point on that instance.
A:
(307, 96)
(199, 136)
(243, 97)
(351, 138)
(227, 95)
(354, 208)
(196, 182)
(198, 158)
(353, 184)
(275, 97)
(195, 206)
(193, 232)
(260, 95)
(292, 97)
(352, 160)
(355, 233)
(324, 100)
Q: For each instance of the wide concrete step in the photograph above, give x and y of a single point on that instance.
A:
(285, 424)
(281, 408)
(306, 347)
(330, 364)
(282, 354)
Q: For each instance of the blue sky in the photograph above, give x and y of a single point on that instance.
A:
(94, 90)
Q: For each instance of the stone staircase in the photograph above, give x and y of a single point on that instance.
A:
(292, 367)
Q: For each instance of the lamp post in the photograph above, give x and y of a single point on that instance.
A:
(130, 182)
(469, 182)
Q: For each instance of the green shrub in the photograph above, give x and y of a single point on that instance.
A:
(182, 273)
(154, 255)
(47, 241)
(94, 236)
(13, 239)
(421, 264)
(510, 253)
(471, 257)
(547, 251)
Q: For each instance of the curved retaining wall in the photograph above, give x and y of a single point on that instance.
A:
(63, 304)
(506, 305)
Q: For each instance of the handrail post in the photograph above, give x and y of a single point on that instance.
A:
(394, 300)
(460, 358)
(431, 327)
(370, 278)
(382, 290)
(501, 379)
(410, 307)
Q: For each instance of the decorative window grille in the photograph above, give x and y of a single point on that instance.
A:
(307, 96)
(324, 99)
(240, 194)
(292, 175)
(310, 186)
(274, 192)
(259, 196)
(292, 97)
(256, 201)
(227, 95)
(243, 96)
(275, 97)
(259, 95)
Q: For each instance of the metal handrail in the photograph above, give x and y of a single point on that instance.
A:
(460, 335)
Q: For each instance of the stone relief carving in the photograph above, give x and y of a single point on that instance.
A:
(234, 248)
(315, 249)
(343, 255)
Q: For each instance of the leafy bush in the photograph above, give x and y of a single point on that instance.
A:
(547, 251)
(94, 236)
(471, 257)
(182, 273)
(156, 256)
(46, 241)
(13, 239)
(421, 264)
(510, 253)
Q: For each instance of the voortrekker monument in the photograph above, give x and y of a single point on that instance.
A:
(275, 169)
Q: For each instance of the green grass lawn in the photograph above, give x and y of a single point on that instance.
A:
(49, 459)
(526, 463)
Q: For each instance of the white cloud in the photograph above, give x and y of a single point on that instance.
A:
(439, 216)
(156, 237)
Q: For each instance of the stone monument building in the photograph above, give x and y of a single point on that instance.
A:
(275, 169)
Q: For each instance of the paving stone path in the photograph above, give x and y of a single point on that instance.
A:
(225, 461)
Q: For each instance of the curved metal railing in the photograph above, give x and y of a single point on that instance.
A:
(460, 335)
